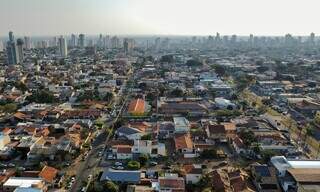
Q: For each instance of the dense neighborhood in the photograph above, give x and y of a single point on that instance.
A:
(181, 114)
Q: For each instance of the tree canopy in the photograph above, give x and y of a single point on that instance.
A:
(111, 186)
(167, 59)
(42, 96)
(220, 70)
(247, 137)
(133, 165)
(193, 63)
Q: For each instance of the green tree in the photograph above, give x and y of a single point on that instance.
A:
(267, 154)
(209, 154)
(133, 165)
(21, 86)
(143, 159)
(9, 108)
(193, 63)
(247, 137)
(146, 137)
(167, 59)
(220, 70)
(244, 81)
(108, 97)
(204, 182)
(42, 96)
(111, 187)
(177, 92)
(256, 148)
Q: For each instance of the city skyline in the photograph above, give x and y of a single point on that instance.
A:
(142, 17)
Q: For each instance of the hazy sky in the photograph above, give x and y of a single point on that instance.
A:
(179, 17)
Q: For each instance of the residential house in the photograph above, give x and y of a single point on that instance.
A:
(184, 107)
(165, 130)
(121, 176)
(237, 181)
(215, 132)
(129, 133)
(49, 175)
(307, 108)
(302, 180)
(219, 181)
(222, 103)
(4, 140)
(238, 145)
(138, 107)
(183, 143)
(15, 182)
(193, 173)
(122, 151)
(152, 148)
(296, 175)
(264, 178)
(181, 124)
(169, 183)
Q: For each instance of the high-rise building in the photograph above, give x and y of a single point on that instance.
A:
(27, 43)
(12, 50)
(233, 39)
(1, 46)
(100, 41)
(63, 47)
(251, 38)
(106, 42)
(20, 50)
(165, 44)
(157, 43)
(81, 41)
(54, 42)
(312, 38)
(210, 41)
(90, 43)
(128, 45)
(218, 38)
(194, 40)
(115, 42)
(73, 41)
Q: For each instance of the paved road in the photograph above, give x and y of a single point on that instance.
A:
(92, 161)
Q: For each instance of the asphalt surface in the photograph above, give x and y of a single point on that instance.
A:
(91, 163)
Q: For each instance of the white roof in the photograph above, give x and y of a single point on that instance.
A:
(180, 121)
(304, 163)
(280, 162)
(22, 181)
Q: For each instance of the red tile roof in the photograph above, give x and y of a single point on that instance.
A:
(216, 129)
(48, 173)
(238, 142)
(183, 141)
(190, 169)
(174, 184)
(137, 106)
(124, 149)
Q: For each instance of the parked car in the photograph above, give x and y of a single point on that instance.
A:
(153, 163)
(118, 167)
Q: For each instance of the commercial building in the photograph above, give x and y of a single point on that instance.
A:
(63, 47)
(11, 48)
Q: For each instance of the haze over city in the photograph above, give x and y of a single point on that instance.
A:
(166, 17)
(159, 96)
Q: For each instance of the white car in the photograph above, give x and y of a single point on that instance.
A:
(118, 164)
